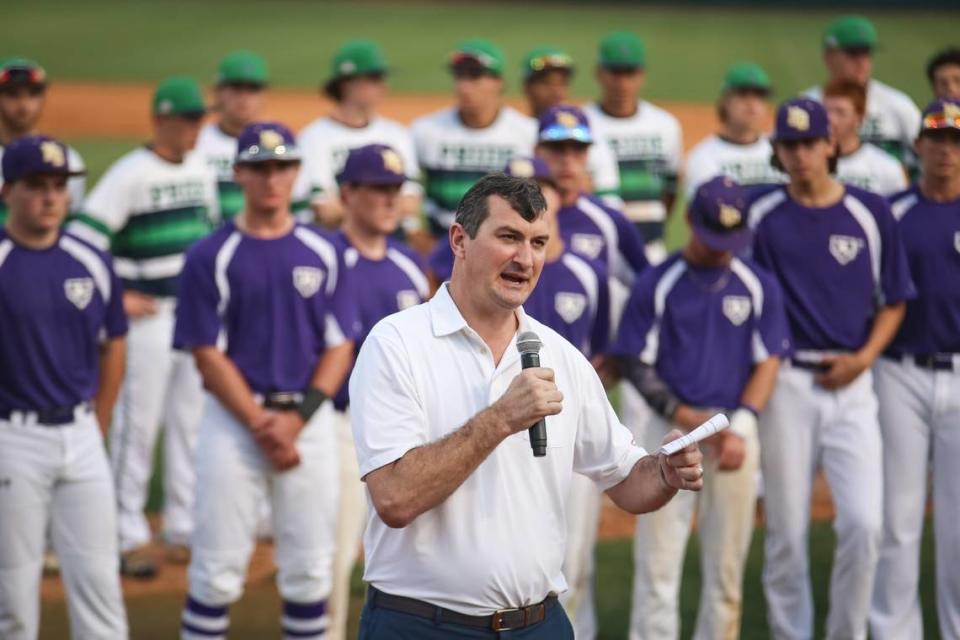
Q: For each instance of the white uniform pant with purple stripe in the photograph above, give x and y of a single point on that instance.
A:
(233, 477)
(58, 476)
(920, 420)
(805, 427)
(725, 510)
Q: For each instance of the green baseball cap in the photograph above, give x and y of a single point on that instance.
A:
(355, 58)
(546, 58)
(747, 75)
(242, 67)
(21, 72)
(850, 32)
(178, 96)
(622, 50)
(480, 51)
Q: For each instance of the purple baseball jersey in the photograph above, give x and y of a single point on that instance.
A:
(273, 306)
(572, 297)
(440, 260)
(704, 329)
(597, 232)
(56, 307)
(931, 238)
(386, 286)
(836, 265)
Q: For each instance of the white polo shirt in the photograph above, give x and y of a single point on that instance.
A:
(498, 541)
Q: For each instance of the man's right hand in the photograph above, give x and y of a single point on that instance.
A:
(138, 305)
(532, 395)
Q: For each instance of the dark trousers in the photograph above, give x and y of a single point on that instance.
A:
(377, 623)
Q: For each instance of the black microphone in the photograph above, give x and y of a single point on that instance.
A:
(528, 344)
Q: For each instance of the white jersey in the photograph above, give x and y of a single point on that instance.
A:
(147, 211)
(77, 185)
(325, 143)
(453, 156)
(648, 146)
(748, 164)
(892, 121)
(604, 173)
(872, 169)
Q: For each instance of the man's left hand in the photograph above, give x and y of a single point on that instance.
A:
(280, 432)
(841, 370)
(684, 469)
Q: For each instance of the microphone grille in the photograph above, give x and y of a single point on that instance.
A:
(528, 342)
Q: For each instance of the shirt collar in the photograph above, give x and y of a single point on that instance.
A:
(447, 319)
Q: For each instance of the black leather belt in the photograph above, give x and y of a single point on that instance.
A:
(932, 361)
(282, 400)
(816, 367)
(53, 417)
(503, 620)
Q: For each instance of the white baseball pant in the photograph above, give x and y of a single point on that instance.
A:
(58, 476)
(920, 421)
(233, 478)
(160, 385)
(351, 521)
(583, 517)
(803, 427)
(725, 510)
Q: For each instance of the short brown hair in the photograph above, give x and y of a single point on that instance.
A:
(852, 91)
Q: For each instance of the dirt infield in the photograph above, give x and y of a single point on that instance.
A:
(93, 110)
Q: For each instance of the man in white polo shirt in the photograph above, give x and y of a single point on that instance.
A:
(467, 532)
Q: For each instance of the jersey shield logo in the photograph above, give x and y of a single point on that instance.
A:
(79, 291)
(570, 306)
(406, 299)
(845, 248)
(307, 280)
(737, 309)
(587, 244)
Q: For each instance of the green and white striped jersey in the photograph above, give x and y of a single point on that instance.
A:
(147, 211)
(218, 149)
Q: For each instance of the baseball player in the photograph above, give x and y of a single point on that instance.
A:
(370, 186)
(23, 90)
(943, 72)
(547, 72)
(838, 257)
(892, 119)
(646, 140)
(357, 88)
(703, 332)
(148, 208)
(263, 305)
(918, 385)
(572, 297)
(741, 149)
(458, 145)
(61, 360)
(859, 163)
(239, 97)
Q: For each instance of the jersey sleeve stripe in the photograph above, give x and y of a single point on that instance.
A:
(763, 206)
(92, 230)
(5, 248)
(752, 283)
(587, 278)
(903, 205)
(91, 262)
(866, 221)
(667, 281)
(325, 250)
(220, 264)
(411, 270)
(599, 217)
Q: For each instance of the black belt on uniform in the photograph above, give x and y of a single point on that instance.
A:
(282, 400)
(52, 417)
(817, 367)
(503, 620)
(932, 361)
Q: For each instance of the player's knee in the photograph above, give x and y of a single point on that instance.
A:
(216, 581)
(305, 580)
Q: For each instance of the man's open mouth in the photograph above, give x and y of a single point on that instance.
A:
(514, 278)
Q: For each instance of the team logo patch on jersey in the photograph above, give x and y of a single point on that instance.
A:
(406, 299)
(307, 280)
(79, 291)
(845, 248)
(570, 306)
(737, 309)
(798, 118)
(586, 244)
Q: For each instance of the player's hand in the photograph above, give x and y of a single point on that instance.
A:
(841, 370)
(607, 369)
(688, 418)
(138, 305)
(728, 449)
(684, 469)
(532, 395)
(277, 438)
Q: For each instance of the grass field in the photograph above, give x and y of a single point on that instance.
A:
(688, 47)
(255, 617)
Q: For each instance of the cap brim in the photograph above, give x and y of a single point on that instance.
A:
(379, 180)
(579, 134)
(734, 241)
(328, 86)
(248, 156)
(750, 87)
(621, 66)
(797, 135)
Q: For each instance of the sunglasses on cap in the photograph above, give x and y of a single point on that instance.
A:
(941, 121)
(551, 61)
(34, 76)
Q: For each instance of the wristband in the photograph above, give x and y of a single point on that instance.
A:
(313, 398)
(743, 422)
(749, 407)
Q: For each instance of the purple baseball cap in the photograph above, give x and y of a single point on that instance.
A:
(372, 164)
(564, 123)
(263, 141)
(528, 167)
(801, 119)
(718, 213)
(36, 155)
(942, 113)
